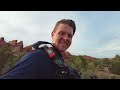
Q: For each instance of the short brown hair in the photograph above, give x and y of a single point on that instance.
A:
(66, 21)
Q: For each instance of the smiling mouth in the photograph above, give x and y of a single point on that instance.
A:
(63, 44)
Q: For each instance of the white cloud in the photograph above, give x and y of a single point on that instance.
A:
(109, 50)
(109, 43)
(79, 38)
(30, 26)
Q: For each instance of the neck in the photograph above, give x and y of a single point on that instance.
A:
(62, 53)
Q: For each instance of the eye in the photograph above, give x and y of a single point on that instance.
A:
(62, 33)
(70, 36)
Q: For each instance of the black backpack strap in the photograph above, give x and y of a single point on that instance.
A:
(62, 71)
(51, 51)
(53, 55)
(39, 43)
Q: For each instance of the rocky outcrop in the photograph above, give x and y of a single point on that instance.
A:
(17, 47)
(2, 41)
(28, 48)
(87, 57)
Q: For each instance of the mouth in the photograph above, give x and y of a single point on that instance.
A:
(63, 44)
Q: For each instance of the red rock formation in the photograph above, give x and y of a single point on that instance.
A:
(13, 43)
(87, 57)
(28, 48)
(20, 45)
(2, 41)
(17, 47)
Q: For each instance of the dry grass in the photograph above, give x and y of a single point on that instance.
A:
(107, 75)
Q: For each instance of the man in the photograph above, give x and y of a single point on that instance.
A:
(39, 64)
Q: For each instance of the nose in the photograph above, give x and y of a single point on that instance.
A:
(66, 37)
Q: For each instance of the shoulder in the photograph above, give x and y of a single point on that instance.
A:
(39, 52)
(35, 54)
(35, 57)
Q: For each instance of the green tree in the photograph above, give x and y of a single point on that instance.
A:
(115, 68)
(5, 55)
(10, 63)
(87, 68)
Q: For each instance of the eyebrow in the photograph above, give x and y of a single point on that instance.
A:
(65, 32)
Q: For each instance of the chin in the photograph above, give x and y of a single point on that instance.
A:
(63, 50)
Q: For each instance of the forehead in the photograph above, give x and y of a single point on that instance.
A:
(65, 28)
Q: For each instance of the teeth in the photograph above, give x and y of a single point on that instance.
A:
(63, 44)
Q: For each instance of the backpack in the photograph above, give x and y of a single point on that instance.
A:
(62, 71)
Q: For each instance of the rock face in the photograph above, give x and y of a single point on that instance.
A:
(28, 48)
(87, 57)
(2, 41)
(17, 47)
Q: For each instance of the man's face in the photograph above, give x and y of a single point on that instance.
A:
(62, 37)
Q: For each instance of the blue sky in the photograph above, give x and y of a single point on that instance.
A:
(97, 32)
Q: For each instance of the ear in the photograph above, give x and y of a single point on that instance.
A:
(52, 34)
